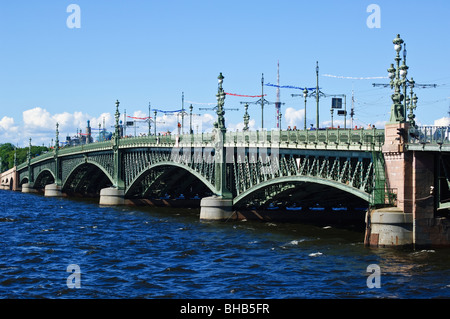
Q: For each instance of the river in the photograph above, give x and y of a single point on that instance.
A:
(135, 252)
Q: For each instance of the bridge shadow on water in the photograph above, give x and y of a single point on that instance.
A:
(348, 218)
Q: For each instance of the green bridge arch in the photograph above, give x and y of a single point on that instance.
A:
(304, 179)
(209, 185)
(87, 162)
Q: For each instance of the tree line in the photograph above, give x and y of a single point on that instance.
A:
(7, 154)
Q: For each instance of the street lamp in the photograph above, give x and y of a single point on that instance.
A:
(246, 118)
(220, 103)
(305, 95)
(411, 103)
(398, 80)
(190, 119)
(154, 124)
(317, 95)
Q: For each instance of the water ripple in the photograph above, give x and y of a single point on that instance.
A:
(150, 253)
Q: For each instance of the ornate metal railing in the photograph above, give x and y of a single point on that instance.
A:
(371, 139)
(434, 135)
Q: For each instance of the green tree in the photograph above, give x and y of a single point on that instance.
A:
(7, 154)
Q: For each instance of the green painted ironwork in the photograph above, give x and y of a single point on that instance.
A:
(330, 156)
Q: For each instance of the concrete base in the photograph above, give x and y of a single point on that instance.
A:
(52, 190)
(216, 208)
(389, 227)
(26, 188)
(112, 196)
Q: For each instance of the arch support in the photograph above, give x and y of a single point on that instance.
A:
(216, 208)
(112, 196)
(53, 190)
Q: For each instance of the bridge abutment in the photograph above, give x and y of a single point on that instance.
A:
(112, 196)
(216, 208)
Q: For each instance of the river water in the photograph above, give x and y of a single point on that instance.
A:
(130, 252)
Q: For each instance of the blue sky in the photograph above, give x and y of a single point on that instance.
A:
(151, 51)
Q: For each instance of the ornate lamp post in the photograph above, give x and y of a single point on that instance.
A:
(398, 80)
(220, 103)
(317, 95)
(57, 138)
(190, 119)
(411, 103)
(305, 95)
(117, 126)
(154, 124)
(246, 118)
(219, 156)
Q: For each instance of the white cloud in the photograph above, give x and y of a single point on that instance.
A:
(38, 118)
(294, 117)
(445, 121)
(240, 126)
(6, 123)
(105, 119)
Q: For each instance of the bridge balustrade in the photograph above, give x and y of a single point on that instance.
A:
(430, 135)
(370, 139)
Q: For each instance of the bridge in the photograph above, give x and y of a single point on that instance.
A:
(400, 174)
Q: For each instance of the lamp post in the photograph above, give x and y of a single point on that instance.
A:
(398, 80)
(182, 114)
(190, 119)
(305, 95)
(154, 124)
(317, 95)
(149, 120)
(411, 103)
(263, 101)
(246, 118)
(57, 138)
(220, 103)
(116, 126)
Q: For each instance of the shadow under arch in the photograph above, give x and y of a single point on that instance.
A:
(45, 177)
(167, 172)
(302, 179)
(87, 178)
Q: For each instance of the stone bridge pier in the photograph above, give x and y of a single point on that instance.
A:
(411, 178)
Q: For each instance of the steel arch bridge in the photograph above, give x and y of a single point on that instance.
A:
(255, 163)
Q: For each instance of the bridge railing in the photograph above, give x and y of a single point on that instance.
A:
(373, 138)
(168, 140)
(430, 134)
